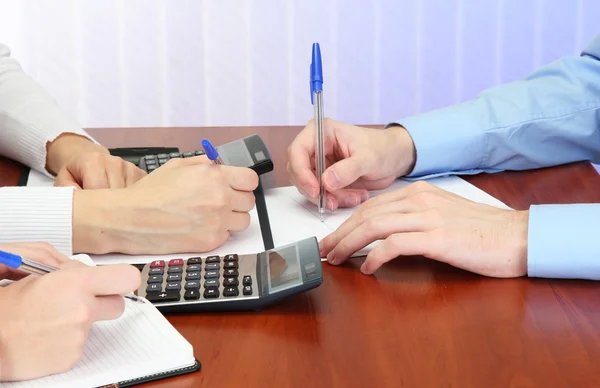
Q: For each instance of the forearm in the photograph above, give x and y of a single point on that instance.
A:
(37, 214)
(551, 117)
(29, 119)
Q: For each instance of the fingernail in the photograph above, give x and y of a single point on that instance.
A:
(364, 195)
(331, 258)
(329, 204)
(311, 191)
(332, 180)
(351, 201)
(363, 268)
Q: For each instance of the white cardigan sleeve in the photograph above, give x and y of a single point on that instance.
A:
(29, 117)
(29, 120)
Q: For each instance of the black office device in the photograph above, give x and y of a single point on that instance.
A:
(232, 282)
(135, 154)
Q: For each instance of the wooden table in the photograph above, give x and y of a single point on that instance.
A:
(416, 323)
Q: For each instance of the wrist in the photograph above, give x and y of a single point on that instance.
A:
(402, 145)
(65, 147)
(98, 219)
(518, 227)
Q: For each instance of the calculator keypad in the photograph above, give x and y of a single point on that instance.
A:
(152, 162)
(197, 278)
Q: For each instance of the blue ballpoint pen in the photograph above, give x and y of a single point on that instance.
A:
(316, 98)
(33, 267)
(211, 152)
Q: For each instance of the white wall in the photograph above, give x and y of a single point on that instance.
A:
(241, 62)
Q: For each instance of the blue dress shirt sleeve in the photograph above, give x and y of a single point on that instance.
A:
(551, 117)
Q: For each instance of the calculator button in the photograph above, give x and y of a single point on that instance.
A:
(247, 281)
(212, 292)
(193, 268)
(175, 286)
(150, 162)
(175, 262)
(150, 168)
(157, 263)
(154, 287)
(230, 265)
(156, 271)
(212, 266)
(157, 297)
(230, 272)
(192, 276)
(231, 258)
(174, 270)
(149, 157)
(211, 283)
(175, 155)
(231, 291)
(211, 274)
(199, 152)
(247, 290)
(162, 161)
(194, 260)
(191, 294)
(192, 286)
(212, 259)
(176, 277)
(230, 282)
(162, 156)
(188, 154)
(155, 279)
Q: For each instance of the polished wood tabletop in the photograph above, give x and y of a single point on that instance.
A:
(415, 323)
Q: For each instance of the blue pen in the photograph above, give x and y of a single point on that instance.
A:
(211, 152)
(316, 98)
(33, 267)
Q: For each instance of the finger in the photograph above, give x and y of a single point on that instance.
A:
(373, 229)
(238, 222)
(401, 244)
(115, 176)
(117, 279)
(242, 201)
(186, 162)
(363, 214)
(404, 193)
(240, 178)
(346, 171)
(348, 198)
(133, 174)
(377, 184)
(300, 153)
(92, 177)
(108, 307)
(64, 179)
(38, 251)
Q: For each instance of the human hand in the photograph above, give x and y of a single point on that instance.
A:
(422, 219)
(38, 251)
(187, 205)
(45, 319)
(78, 162)
(358, 159)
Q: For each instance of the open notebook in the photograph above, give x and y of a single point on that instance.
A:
(138, 347)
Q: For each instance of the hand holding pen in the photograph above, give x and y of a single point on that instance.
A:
(48, 317)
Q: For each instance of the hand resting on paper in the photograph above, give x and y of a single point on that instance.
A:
(422, 219)
(45, 320)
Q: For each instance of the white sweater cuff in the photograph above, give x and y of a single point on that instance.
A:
(32, 214)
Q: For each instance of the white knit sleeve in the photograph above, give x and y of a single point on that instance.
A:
(29, 117)
(32, 214)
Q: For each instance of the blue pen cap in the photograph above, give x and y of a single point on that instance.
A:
(316, 71)
(10, 260)
(211, 151)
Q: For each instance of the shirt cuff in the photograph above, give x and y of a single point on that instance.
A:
(563, 241)
(449, 140)
(34, 214)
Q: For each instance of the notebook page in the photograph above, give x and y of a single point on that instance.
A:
(140, 343)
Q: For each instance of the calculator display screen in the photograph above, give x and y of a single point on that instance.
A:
(284, 268)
